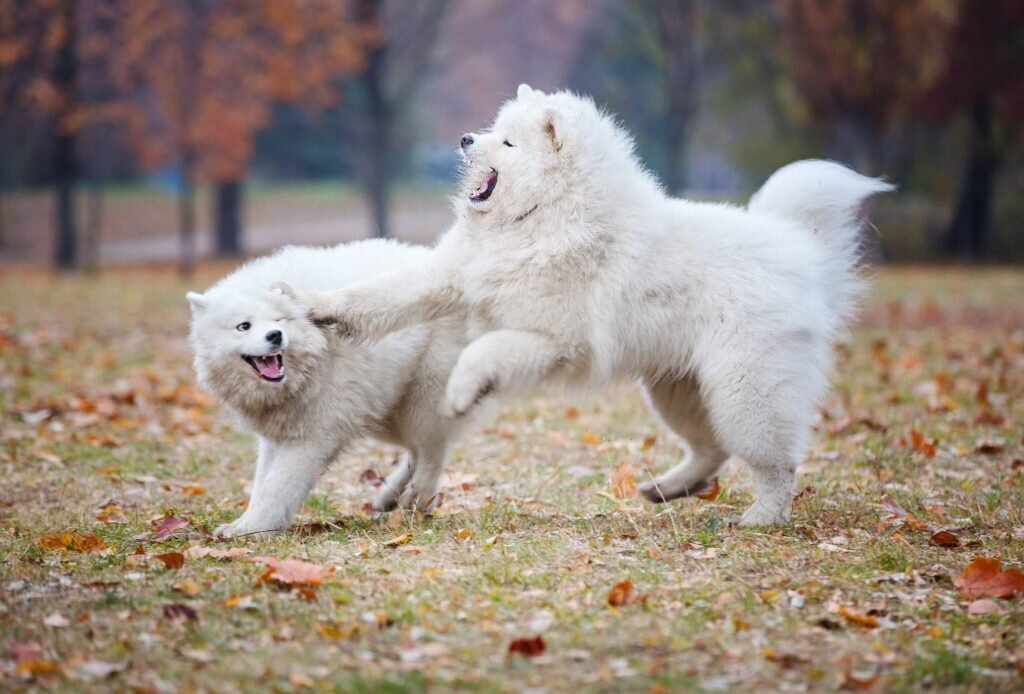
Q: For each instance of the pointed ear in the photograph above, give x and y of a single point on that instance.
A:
(283, 288)
(524, 91)
(196, 301)
(554, 126)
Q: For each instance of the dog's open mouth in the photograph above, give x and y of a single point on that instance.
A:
(270, 367)
(486, 188)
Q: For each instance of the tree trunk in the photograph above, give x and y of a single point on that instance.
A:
(227, 214)
(376, 142)
(677, 29)
(3, 228)
(92, 231)
(64, 165)
(968, 233)
(187, 227)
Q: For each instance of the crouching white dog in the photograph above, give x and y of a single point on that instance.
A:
(576, 266)
(308, 392)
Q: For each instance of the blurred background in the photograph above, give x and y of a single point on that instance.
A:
(142, 131)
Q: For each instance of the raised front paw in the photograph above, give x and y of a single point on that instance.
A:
(464, 392)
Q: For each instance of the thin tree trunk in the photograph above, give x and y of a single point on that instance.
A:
(968, 233)
(93, 229)
(64, 165)
(3, 220)
(376, 144)
(187, 227)
(228, 215)
(678, 31)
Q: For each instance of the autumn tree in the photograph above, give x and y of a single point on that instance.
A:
(858, 65)
(204, 74)
(982, 82)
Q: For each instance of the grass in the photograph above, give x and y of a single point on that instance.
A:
(100, 407)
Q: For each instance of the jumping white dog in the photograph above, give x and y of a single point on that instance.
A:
(308, 392)
(575, 265)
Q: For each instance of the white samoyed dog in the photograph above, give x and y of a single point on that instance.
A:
(575, 265)
(307, 392)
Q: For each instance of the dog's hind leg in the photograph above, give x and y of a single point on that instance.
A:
(394, 484)
(421, 493)
(679, 405)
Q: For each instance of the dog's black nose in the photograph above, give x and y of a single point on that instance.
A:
(467, 140)
(274, 337)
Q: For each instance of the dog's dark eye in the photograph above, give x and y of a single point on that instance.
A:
(508, 144)
(242, 327)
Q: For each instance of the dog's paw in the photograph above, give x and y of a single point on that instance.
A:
(760, 515)
(424, 502)
(385, 500)
(463, 393)
(240, 528)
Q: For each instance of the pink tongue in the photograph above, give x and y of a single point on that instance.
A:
(268, 366)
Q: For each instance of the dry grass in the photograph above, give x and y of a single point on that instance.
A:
(99, 407)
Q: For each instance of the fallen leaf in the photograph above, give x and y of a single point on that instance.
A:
(944, 538)
(858, 682)
(621, 594)
(397, 540)
(711, 492)
(921, 444)
(177, 611)
(167, 525)
(75, 542)
(983, 607)
(188, 587)
(982, 578)
(371, 477)
(865, 620)
(292, 572)
(591, 438)
(893, 507)
(528, 647)
(172, 560)
(193, 489)
(648, 443)
(990, 446)
(571, 413)
(462, 534)
(623, 484)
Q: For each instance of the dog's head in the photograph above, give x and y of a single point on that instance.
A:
(536, 154)
(253, 348)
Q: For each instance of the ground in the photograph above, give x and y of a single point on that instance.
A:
(105, 438)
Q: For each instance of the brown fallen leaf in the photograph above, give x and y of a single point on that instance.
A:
(921, 444)
(591, 438)
(865, 620)
(74, 542)
(944, 538)
(621, 594)
(571, 413)
(858, 682)
(188, 587)
(623, 484)
(528, 647)
(710, 493)
(172, 560)
(397, 540)
(463, 534)
(177, 612)
(990, 446)
(983, 578)
(167, 525)
(293, 572)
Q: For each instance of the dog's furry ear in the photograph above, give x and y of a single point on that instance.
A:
(524, 91)
(555, 126)
(283, 288)
(197, 301)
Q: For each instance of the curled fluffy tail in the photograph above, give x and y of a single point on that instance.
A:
(825, 198)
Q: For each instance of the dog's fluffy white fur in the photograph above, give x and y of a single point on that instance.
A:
(308, 392)
(576, 266)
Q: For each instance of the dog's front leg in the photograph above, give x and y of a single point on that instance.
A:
(373, 309)
(283, 480)
(499, 361)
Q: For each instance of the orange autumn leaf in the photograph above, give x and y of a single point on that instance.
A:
(983, 578)
(172, 560)
(293, 572)
(74, 542)
(865, 620)
(591, 438)
(710, 493)
(621, 594)
(921, 444)
(623, 484)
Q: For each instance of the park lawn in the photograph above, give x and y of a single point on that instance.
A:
(104, 434)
